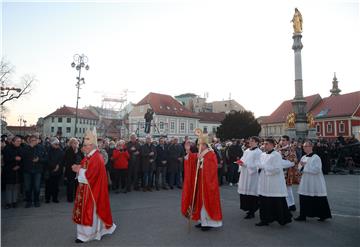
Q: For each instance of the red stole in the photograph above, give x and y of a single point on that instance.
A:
(207, 193)
(95, 193)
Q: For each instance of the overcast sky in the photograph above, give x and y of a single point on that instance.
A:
(237, 49)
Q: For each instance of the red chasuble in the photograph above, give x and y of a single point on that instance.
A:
(94, 194)
(207, 193)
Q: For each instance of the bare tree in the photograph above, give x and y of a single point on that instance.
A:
(9, 92)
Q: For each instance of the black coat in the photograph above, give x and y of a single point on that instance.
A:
(29, 154)
(10, 152)
(162, 154)
(134, 159)
(175, 152)
(148, 161)
(70, 158)
(234, 152)
(56, 157)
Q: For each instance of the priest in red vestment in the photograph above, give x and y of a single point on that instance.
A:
(206, 207)
(92, 212)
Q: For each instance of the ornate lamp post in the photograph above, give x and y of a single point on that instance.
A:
(80, 62)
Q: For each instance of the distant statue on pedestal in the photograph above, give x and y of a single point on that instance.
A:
(297, 21)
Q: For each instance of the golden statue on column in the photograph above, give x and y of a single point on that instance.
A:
(297, 21)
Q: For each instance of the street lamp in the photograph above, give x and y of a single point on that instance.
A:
(80, 62)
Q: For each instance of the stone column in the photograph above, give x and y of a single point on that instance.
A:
(299, 103)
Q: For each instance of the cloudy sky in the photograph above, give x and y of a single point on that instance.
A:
(226, 48)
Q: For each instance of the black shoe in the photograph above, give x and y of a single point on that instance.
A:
(7, 206)
(78, 241)
(47, 201)
(149, 189)
(300, 218)
(165, 188)
(157, 188)
(117, 192)
(292, 208)
(179, 187)
(261, 223)
(28, 205)
(56, 201)
(137, 188)
(205, 228)
(322, 219)
(249, 216)
(198, 225)
(37, 204)
(14, 205)
(171, 187)
(286, 222)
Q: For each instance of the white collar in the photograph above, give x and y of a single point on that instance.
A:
(91, 153)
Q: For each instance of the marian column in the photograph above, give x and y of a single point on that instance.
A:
(300, 128)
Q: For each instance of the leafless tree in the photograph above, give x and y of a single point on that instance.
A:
(8, 91)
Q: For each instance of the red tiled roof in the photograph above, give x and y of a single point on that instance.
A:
(337, 106)
(71, 111)
(280, 114)
(21, 128)
(163, 104)
(211, 117)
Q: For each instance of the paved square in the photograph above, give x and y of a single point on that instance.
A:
(154, 219)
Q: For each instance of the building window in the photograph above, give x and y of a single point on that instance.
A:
(205, 129)
(87, 121)
(141, 108)
(68, 130)
(83, 130)
(182, 127)
(80, 120)
(329, 128)
(161, 125)
(52, 119)
(68, 120)
(191, 127)
(341, 127)
(59, 119)
(172, 126)
(59, 130)
(214, 130)
(52, 129)
(318, 128)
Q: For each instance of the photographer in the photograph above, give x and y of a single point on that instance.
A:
(148, 118)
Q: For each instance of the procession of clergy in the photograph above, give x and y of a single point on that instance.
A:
(265, 183)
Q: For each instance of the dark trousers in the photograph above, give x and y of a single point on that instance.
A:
(174, 173)
(71, 186)
(160, 174)
(32, 182)
(233, 173)
(120, 178)
(274, 209)
(52, 188)
(132, 179)
(147, 127)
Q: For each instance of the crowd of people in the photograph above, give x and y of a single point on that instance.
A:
(139, 164)
(264, 171)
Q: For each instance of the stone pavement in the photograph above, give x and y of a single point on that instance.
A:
(154, 219)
